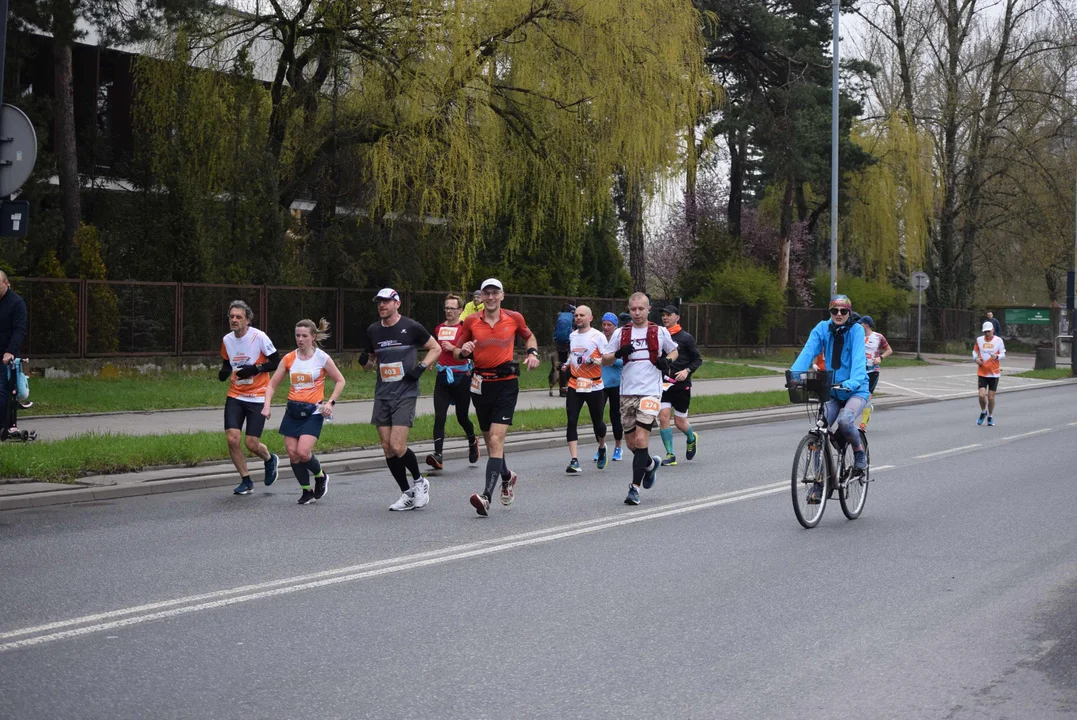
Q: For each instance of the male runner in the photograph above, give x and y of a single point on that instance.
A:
(487, 338)
(452, 385)
(611, 383)
(393, 341)
(584, 367)
(987, 353)
(677, 396)
(875, 348)
(249, 359)
(647, 350)
(472, 307)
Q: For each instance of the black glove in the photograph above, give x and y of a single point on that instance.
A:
(245, 371)
(364, 358)
(415, 373)
(663, 365)
(624, 351)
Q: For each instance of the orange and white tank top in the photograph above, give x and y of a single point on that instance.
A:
(990, 352)
(253, 348)
(307, 377)
(584, 346)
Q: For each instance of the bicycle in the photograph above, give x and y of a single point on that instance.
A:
(823, 463)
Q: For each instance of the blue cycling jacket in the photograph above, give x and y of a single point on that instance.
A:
(853, 358)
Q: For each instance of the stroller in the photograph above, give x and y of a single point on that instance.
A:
(20, 392)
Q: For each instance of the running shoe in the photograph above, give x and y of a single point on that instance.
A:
(983, 416)
(434, 461)
(406, 502)
(574, 467)
(421, 492)
(602, 458)
(816, 494)
(473, 450)
(690, 451)
(244, 488)
(633, 495)
(595, 458)
(481, 504)
(321, 485)
(860, 460)
(652, 474)
(508, 490)
(990, 421)
(670, 459)
(271, 469)
(616, 454)
(307, 497)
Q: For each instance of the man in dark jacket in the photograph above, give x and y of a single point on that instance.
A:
(12, 332)
(677, 392)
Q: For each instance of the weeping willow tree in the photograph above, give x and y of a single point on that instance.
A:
(888, 221)
(468, 111)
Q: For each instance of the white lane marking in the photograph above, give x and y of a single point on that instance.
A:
(1072, 424)
(375, 569)
(951, 450)
(899, 387)
(1028, 434)
(883, 467)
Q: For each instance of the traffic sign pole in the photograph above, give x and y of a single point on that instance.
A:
(920, 282)
(919, 304)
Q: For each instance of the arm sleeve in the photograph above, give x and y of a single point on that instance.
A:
(18, 327)
(225, 372)
(689, 348)
(1001, 349)
(975, 348)
(813, 347)
(271, 362)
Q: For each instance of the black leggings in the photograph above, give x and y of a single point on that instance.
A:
(595, 402)
(460, 392)
(613, 396)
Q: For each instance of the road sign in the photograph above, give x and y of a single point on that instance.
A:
(920, 281)
(18, 149)
(14, 218)
(1030, 316)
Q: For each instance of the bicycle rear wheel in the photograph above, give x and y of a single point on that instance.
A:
(855, 492)
(809, 476)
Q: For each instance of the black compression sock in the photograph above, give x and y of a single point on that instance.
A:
(505, 472)
(493, 474)
(396, 467)
(412, 464)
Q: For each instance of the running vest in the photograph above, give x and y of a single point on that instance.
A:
(652, 339)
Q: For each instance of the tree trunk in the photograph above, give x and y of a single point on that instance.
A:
(66, 148)
(736, 181)
(691, 206)
(637, 260)
(785, 231)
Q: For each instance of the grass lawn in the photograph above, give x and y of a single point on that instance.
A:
(169, 390)
(67, 459)
(783, 359)
(1056, 374)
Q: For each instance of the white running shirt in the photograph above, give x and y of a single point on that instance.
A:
(639, 376)
(253, 348)
(584, 346)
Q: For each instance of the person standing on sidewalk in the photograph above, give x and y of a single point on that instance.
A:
(306, 367)
(12, 332)
(487, 338)
(248, 360)
(876, 348)
(392, 345)
(452, 385)
(647, 350)
(611, 384)
(677, 397)
(585, 386)
(472, 307)
(994, 323)
(988, 351)
(562, 332)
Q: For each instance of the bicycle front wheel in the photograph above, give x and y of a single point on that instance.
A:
(809, 481)
(855, 491)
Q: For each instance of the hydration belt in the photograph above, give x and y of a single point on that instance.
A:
(450, 369)
(507, 369)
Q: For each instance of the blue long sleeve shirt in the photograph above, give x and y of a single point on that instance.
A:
(853, 358)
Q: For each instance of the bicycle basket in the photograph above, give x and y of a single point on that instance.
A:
(806, 386)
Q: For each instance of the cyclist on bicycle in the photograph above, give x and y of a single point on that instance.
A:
(841, 340)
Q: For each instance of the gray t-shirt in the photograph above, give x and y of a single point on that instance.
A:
(395, 349)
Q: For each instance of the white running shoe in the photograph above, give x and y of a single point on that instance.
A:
(421, 488)
(406, 502)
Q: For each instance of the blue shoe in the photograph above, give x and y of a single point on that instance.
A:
(244, 488)
(652, 474)
(990, 421)
(860, 460)
(980, 421)
(690, 451)
(595, 458)
(574, 467)
(633, 495)
(271, 470)
(616, 454)
(602, 458)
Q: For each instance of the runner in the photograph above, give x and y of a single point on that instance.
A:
(392, 347)
(876, 348)
(677, 394)
(585, 385)
(987, 353)
(611, 382)
(562, 331)
(487, 338)
(472, 307)
(452, 386)
(249, 359)
(306, 367)
(647, 350)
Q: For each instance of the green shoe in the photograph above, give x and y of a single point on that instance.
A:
(670, 459)
(690, 451)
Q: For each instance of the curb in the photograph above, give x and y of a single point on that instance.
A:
(214, 477)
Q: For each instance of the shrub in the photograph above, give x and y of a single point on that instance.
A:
(879, 299)
(753, 287)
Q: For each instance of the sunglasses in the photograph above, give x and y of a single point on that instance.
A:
(451, 308)
(839, 311)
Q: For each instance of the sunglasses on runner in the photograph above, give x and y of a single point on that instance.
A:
(839, 311)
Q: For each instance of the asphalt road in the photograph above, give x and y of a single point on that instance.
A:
(952, 596)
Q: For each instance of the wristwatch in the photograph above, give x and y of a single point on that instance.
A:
(423, 365)
(532, 351)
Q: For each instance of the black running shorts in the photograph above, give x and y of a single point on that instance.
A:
(236, 412)
(496, 402)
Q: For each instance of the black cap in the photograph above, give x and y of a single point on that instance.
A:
(671, 310)
(625, 318)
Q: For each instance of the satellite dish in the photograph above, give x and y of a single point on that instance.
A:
(18, 149)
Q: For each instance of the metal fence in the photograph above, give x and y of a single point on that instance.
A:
(102, 318)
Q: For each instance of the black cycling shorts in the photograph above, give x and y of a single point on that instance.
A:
(987, 382)
(679, 397)
(873, 380)
(496, 402)
(236, 412)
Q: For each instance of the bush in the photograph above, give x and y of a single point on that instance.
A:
(878, 299)
(102, 306)
(753, 287)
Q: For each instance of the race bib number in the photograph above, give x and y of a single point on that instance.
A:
(649, 406)
(302, 381)
(448, 333)
(391, 372)
(476, 384)
(244, 381)
(584, 383)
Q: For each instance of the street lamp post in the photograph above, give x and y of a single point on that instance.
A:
(834, 157)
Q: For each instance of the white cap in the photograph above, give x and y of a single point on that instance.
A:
(988, 326)
(492, 282)
(387, 294)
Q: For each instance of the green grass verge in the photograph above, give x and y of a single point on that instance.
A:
(784, 358)
(91, 454)
(172, 390)
(1056, 374)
